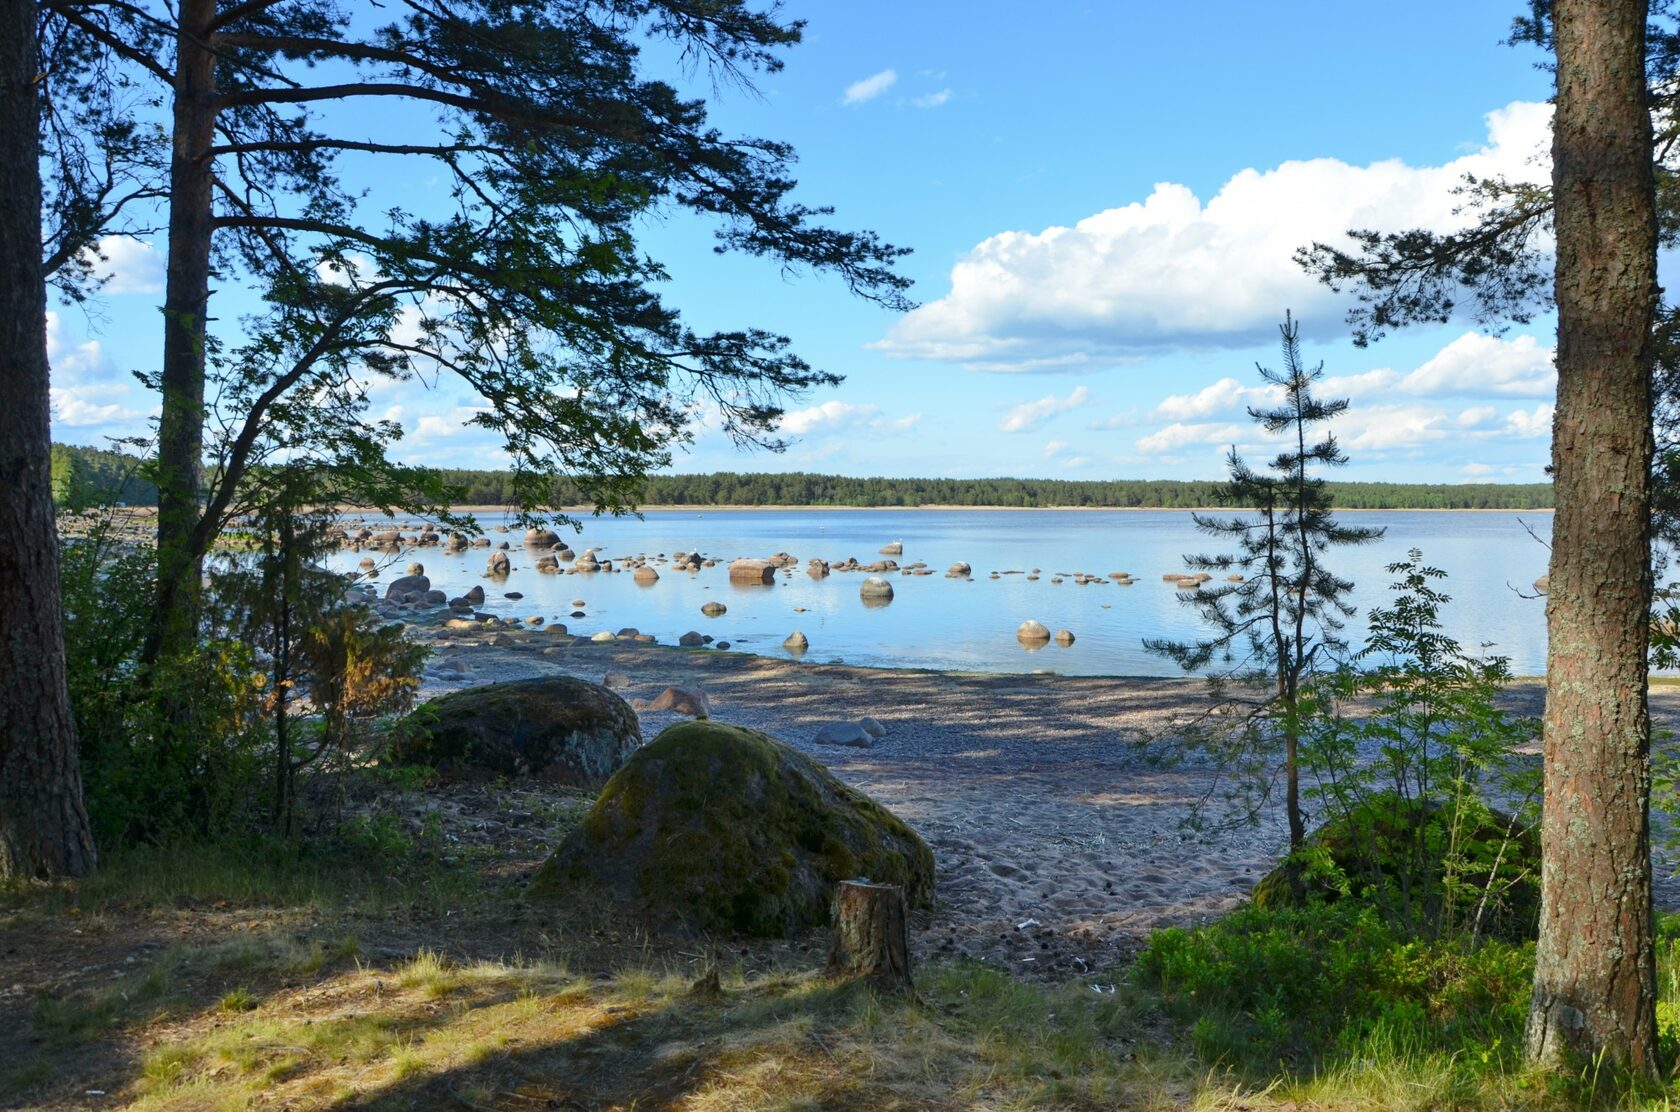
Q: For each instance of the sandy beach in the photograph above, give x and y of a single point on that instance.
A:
(1059, 839)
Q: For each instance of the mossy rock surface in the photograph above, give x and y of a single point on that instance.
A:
(1374, 852)
(725, 830)
(559, 729)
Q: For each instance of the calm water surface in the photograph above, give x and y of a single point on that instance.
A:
(1491, 559)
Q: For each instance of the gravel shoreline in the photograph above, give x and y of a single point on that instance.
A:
(1060, 841)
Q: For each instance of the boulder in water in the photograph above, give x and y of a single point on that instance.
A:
(405, 585)
(752, 571)
(1032, 631)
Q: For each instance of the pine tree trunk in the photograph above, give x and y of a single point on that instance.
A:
(43, 824)
(871, 936)
(1595, 977)
(186, 301)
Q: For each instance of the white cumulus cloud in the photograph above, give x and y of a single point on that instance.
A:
(836, 416)
(1471, 366)
(828, 416)
(1170, 271)
(71, 360)
(932, 100)
(80, 407)
(1225, 396)
(127, 265)
(860, 92)
(1388, 427)
(1186, 434)
(1030, 415)
(1530, 425)
(1475, 365)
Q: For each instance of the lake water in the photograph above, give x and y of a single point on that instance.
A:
(1491, 558)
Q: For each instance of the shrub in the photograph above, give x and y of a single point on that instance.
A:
(1404, 787)
(152, 774)
(1300, 986)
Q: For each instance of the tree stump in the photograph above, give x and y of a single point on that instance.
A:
(871, 938)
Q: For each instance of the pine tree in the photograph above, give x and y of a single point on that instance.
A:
(1595, 977)
(1278, 618)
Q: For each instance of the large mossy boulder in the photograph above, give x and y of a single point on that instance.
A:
(1392, 853)
(559, 729)
(724, 830)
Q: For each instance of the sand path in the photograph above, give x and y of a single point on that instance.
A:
(1060, 841)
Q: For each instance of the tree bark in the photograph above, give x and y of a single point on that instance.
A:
(1595, 975)
(186, 303)
(43, 825)
(871, 936)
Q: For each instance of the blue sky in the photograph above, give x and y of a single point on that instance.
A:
(1102, 202)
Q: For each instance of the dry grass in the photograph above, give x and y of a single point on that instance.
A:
(429, 1033)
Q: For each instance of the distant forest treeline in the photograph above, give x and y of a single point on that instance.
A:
(105, 473)
(99, 475)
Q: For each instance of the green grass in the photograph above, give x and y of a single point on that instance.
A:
(391, 877)
(1326, 1007)
(1261, 1011)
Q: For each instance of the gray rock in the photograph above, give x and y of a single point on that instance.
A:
(719, 830)
(875, 587)
(541, 538)
(796, 642)
(681, 700)
(416, 569)
(406, 585)
(558, 729)
(844, 733)
(872, 727)
(691, 640)
(1032, 631)
(713, 609)
(475, 595)
(752, 571)
(498, 566)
